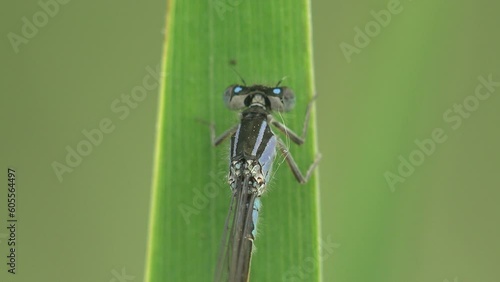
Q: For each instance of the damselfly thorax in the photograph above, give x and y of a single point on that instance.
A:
(253, 147)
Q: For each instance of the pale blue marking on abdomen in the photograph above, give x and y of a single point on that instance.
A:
(255, 215)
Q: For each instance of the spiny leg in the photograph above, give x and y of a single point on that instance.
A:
(217, 140)
(299, 140)
(293, 165)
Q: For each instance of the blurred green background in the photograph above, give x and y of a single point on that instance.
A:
(440, 224)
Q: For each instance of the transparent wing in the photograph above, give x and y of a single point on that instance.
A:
(235, 251)
(222, 268)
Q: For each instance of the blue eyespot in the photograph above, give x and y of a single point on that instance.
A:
(237, 89)
(277, 91)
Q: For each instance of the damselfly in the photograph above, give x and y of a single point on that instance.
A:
(252, 152)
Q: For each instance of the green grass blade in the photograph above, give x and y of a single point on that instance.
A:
(267, 40)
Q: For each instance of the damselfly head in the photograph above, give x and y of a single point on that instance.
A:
(238, 97)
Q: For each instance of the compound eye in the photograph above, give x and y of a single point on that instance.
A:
(237, 89)
(234, 97)
(283, 99)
